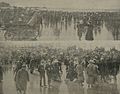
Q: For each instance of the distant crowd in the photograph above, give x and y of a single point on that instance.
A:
(60, 20)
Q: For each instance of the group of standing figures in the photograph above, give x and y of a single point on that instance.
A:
(81, 73)
(87, 28)
(25, 23)
(91, 67)
(52, 71)
(45, 68)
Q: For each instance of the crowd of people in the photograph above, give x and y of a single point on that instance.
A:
(96, 66)
(60, 20)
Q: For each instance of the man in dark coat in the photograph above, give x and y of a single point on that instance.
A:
(49, 69)
(80, 29)
(18, 66)
(41, 70)
(66, 63)
(21, 79)
(80, 75)
(1, 73)
(56, 71)
(32, 65)
(1, 78)
(71, 72)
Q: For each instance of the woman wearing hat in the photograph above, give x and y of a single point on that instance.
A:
(89, 34)
(92, 71)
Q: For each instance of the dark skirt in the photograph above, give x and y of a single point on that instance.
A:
(91, 79)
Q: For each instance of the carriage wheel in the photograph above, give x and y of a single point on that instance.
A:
(9, 36)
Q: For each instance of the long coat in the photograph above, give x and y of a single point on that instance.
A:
(89, 34)
(80, 30)
(1, 73)
(21, 79)
(80, 70)
(92, 72)
(1, 78)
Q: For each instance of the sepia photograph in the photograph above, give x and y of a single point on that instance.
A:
(59, 20)
(49, 68)
(59, 47)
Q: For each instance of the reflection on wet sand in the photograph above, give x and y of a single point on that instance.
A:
(104, 89)
(1, 88)
(74, 88)
(57, 87)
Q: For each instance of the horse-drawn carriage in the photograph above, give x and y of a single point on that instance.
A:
(23, 31)
(20, 32)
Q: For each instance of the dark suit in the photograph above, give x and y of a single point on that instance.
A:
(1, 78)
(1, 73)
(41, 70)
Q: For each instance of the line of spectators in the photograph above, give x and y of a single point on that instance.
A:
(59, 20)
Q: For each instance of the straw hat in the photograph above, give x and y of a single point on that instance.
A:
(23, 65)
(55, 60)
(91, 61)
(81, 22)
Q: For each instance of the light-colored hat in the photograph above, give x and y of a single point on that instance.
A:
(91, 61)
(23, 65)
(81, 21)
(55, 60)
(49, 60)
(89, 22)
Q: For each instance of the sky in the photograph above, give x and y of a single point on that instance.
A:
(74, 4)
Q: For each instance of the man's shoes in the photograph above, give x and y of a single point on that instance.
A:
(45, 85)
